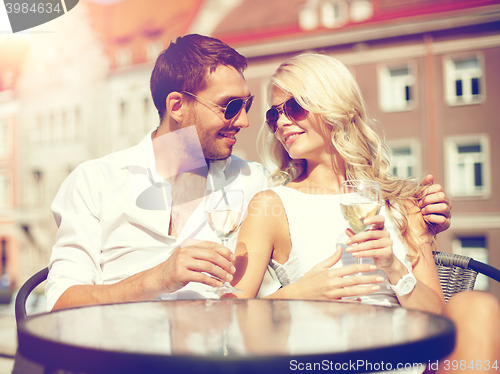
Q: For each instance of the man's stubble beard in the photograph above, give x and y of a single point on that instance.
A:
(214, 155)
(208, 146)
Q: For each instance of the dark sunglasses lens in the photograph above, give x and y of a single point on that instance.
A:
(233, 108)
(294, 111)
(272, 116)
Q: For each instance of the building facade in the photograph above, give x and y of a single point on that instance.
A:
(429, 74)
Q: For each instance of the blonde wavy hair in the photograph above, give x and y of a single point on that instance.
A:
(324, 86)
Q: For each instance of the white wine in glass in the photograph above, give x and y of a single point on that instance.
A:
(359, 199)
(224, 223)
(224, 213)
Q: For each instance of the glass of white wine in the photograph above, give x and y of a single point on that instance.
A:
(359, 199)
(224, 213)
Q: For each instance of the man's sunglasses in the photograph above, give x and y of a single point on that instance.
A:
(293, 111)
(231, 109)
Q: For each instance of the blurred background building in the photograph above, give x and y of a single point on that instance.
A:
(429, 71)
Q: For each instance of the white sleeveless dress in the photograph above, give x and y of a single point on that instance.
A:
(317, 228)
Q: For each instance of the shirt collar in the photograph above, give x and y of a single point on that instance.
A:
(143, 157)
(221, 165)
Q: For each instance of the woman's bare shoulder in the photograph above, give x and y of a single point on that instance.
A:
(265, 207)
(266, 215)
(265, 198)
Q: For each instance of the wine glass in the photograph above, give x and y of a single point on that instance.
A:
(359, 199)
(224, 213)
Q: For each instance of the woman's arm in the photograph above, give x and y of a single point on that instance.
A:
(428, 293)
(264, 225)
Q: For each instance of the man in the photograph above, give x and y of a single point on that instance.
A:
(131, 225)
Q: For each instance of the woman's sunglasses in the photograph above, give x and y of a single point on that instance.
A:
(293, 111)
(231, 109)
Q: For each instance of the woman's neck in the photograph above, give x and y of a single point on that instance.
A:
(325, 175)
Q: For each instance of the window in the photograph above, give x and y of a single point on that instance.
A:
(52, 127)
(37, 129)
(123, 57)
(361, 10)
(78, 122)
(405, 158)
(147, 113)
(123, 117)
(326, 13)
(333, 13)
(396, 88)
(5, 192)
(58, 127)
(45, 131)
(64, 125)
(70, 125)
(38, 187)
(5, 141)
(3, 248)
(153, 49)
(475, 247)
(464, 82)
(467, 165)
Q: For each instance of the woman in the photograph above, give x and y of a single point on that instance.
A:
(320, 136)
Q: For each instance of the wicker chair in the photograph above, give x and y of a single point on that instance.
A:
(458, 273)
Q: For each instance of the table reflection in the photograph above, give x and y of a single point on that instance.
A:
(235, 327)
(199, 327)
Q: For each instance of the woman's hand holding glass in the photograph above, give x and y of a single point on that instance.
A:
(374, 243)
(359, 199)
(323, 282)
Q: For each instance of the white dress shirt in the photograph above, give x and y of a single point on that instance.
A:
(114, 222)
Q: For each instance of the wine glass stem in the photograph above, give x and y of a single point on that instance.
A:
(224, 242)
